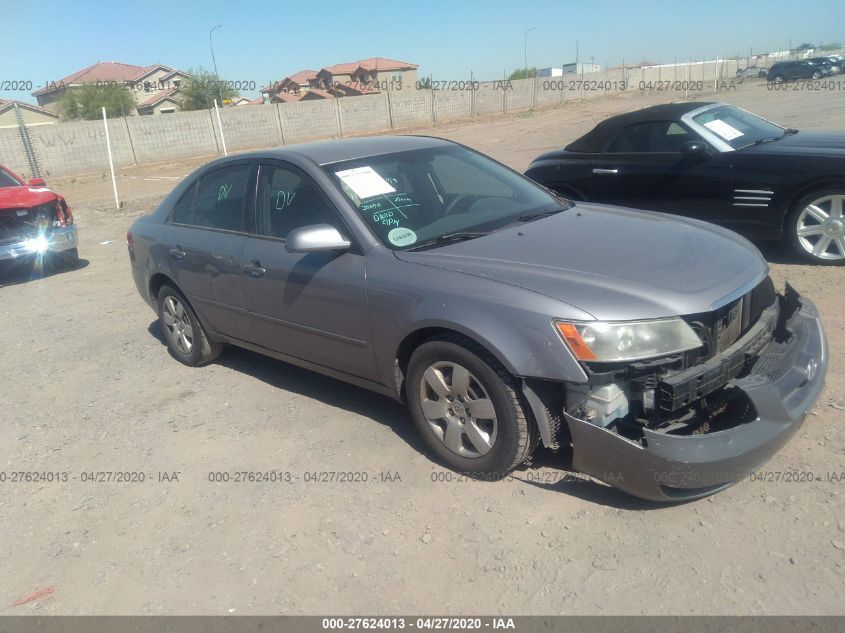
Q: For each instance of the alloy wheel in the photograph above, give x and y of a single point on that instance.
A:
(458, 409)
(820, 228)
(178, 324)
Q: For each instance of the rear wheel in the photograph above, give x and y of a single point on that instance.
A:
(817, 75)
(186, 339)
(467, 407)
(778, 79)
(816, 227)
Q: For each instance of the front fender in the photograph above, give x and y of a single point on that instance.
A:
(513, 324)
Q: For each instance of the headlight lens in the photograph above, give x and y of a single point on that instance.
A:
(603, 341)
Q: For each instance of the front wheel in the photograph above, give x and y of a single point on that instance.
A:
(467, 408)
(68, 259)
(816, 227)
(817, 75)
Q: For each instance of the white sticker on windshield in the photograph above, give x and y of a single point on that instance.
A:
(401, 237)
(365, 182)
(727, 132)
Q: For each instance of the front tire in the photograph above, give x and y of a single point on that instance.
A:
(467, 407)
(815, 227)
(186, 339)
(68, 259)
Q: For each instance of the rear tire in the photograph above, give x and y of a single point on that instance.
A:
(186, 339)
(468, 408)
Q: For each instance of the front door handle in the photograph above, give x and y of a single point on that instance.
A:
(177, 253)
(254, 269)
(603, 171)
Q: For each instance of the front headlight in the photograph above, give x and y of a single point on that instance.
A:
(606, 342)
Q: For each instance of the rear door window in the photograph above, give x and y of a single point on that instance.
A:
(221, 197)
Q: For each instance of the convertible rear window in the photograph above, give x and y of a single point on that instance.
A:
(417, 196)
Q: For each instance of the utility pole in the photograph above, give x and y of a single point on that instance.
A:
(214, 62)
(525, 46)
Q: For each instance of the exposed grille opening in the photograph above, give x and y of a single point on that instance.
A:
(20, 224)
(723, 327)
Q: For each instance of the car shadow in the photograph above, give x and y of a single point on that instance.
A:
(561, 477)
(781, 253)
(310, 384)
(12, 274)
(557, 473)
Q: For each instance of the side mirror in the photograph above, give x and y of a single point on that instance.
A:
(37, 182)
(694, 148)
(315, 238)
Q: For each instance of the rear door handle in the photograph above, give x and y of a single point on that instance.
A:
(177, 253)
(600, 170)
(254, 269)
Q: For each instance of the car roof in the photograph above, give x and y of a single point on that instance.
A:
(335, 151)
(596, 139)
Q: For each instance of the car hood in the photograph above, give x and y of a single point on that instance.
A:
(804, 143)
(611, 262)
(24, 196)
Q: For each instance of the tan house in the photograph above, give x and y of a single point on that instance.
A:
(379, 72)
(31, 114)
(349, 79)
(295, 84)
(150, 86)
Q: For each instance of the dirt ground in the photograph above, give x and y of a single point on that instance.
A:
(88, 386)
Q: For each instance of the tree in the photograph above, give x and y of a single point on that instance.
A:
(522, 73)
(199, 90)
(832, 46)
(88, 101)
(804, 46)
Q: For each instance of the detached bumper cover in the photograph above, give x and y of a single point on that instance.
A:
(56, 241)
(783, 385)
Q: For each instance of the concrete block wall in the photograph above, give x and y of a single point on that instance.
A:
(309, 120)
(452, 104)
(160, 138)
(410, 107)
(367, 113)
(12, 154)
(249, 127)
(79, 147)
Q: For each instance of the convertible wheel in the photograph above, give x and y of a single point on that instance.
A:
(467, 408)
(817, 227)
(186, 339)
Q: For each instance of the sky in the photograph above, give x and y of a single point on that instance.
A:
(262, 41)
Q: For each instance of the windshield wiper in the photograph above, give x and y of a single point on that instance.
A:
(536, 215)
(787, 132)
(458, 236)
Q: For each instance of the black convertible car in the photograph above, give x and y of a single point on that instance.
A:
(715, 162)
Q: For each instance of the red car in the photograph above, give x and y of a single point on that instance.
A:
(35, 222)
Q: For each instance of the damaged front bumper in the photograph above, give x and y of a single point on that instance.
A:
(782, 385)
(57, 240)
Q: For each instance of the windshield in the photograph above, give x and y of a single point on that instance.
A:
(7, 180)
(410, 199)
(737, 127)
